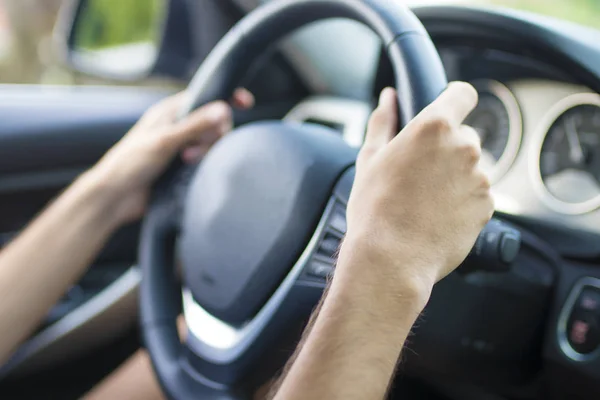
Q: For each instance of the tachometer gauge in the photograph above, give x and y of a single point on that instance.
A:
(497, 120)
(567, 162)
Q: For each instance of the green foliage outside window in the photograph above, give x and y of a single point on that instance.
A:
(109, 23)
(585, 12)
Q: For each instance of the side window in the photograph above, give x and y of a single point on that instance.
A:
(29, 56)
(25, 42)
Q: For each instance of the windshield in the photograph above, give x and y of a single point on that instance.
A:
(584, 12)
(331, 59)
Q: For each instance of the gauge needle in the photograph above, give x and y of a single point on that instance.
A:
(576, 151)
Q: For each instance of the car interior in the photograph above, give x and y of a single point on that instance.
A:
(519, 320)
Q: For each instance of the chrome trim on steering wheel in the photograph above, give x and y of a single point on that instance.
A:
(221, 343)
(353, 115)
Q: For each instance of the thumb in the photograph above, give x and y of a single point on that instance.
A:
(383, 123)
(213, 117)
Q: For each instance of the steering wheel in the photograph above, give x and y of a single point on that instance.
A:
(255, 225)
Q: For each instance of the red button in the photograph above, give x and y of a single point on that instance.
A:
(579, 332)
(583, 333)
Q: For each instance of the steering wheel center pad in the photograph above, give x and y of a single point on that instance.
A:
(252, 206)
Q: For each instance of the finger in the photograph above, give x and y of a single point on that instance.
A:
(164, 111)
(470, 135)
(382, 126)
(469, 141)
(193, 154)
(453, 105)
(214, 117)
(243, 98)
(384, 120)
(172, 102)
(182, 328)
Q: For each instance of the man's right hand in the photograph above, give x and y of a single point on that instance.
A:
(419, 199)
(418, 203)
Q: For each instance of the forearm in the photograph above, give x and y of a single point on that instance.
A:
(354, 345)
(38, 267)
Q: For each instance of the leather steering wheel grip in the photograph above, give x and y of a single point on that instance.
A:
(419, 73)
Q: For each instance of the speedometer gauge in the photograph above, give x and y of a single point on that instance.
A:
(567, 162)
(497, 120)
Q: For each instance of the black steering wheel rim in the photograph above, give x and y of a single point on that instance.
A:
(420, 78)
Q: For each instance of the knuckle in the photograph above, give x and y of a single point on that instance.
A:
(438, 125)
(209, 116)
(471, 153)
(365, 153)
(485, 183)
(225, 109)
(487, 200)
(470, 132)
(470, 135)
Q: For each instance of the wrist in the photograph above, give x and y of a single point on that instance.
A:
(107, 197)
(392, 278)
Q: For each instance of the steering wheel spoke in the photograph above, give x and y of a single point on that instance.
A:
(217, 342)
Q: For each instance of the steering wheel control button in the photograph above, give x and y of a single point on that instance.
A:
(583, 332)
(338, 219)
(319, 269)
(329, 246)
(496, 248)
(589, 301)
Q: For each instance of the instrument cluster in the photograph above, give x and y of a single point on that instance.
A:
(561, 143)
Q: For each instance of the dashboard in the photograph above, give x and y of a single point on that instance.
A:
(540, 132)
